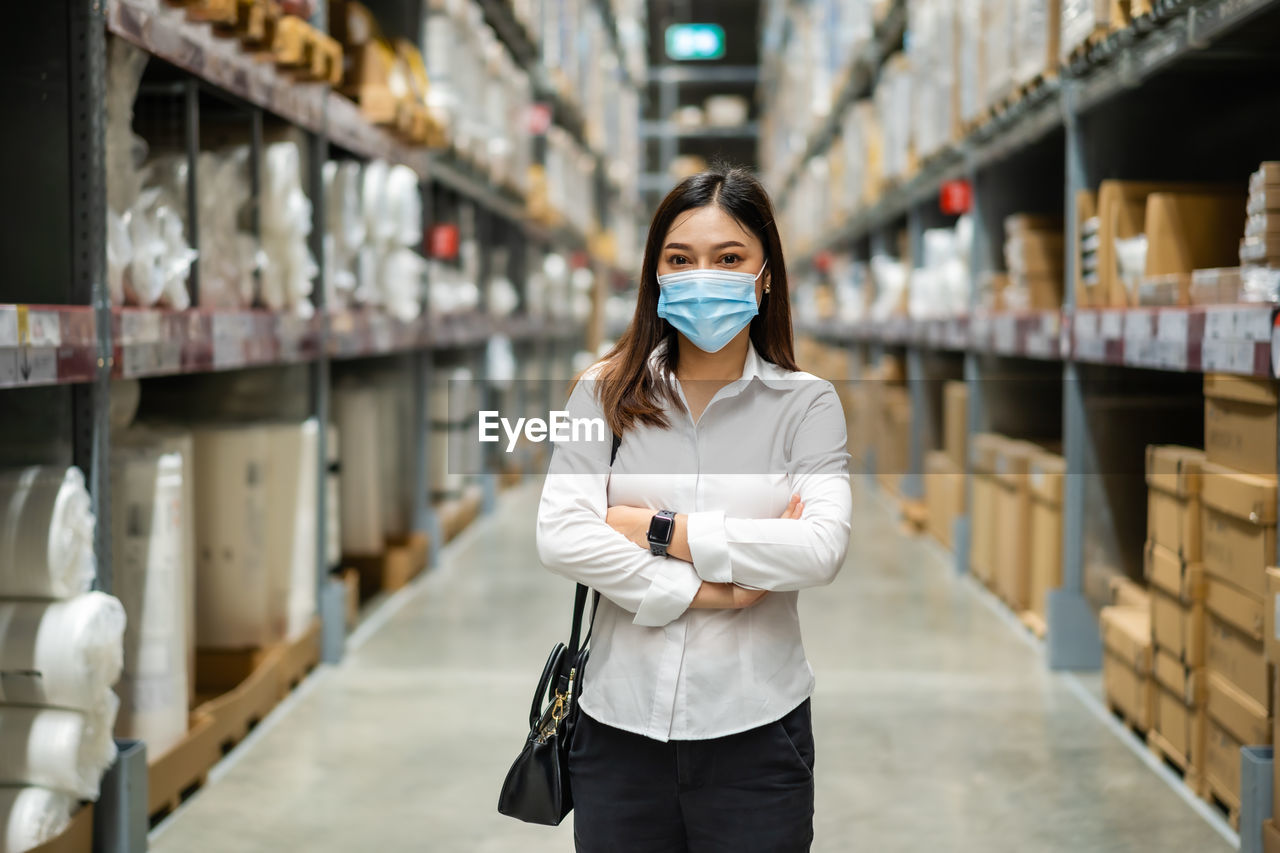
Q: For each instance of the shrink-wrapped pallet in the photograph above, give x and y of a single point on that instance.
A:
(31, 816)
(58, 748)
(452, 410)
(1035, 44)
(179, 442)
(46, 533)
(292, 500)
(61, 653)
(356, 413)
(235, 608)
(153, 573)
(971, 84)
(997, 54)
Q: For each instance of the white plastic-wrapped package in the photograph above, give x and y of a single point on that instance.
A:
(1035, 45)
(403, 207)
(149, 553)
(347, 230)
(229, 255)
(31, 816)
(46, 533)
(291, 499)
(179, 442)
(57, 748)
(997, 54)
(971, 84)
(402, 276)
(452, 406)
(288, 267)
(234, 605)
(356, 411)
(60, 653)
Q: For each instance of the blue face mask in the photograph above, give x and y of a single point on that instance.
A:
(709, 307)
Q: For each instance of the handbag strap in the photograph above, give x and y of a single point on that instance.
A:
(580, 595)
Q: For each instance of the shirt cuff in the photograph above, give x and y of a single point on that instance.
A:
(669, 594)
(709, 547)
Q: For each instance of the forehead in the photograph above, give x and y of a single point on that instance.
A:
(709, 225)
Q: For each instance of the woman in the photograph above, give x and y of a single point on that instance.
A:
(729, 493)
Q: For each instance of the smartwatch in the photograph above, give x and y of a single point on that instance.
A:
(661, 529)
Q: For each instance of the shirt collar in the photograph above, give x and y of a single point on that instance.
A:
(755, 367)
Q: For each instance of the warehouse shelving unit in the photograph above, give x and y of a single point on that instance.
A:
(1099, 352)
(61, 339)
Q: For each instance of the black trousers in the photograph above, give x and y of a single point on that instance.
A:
(745, 793)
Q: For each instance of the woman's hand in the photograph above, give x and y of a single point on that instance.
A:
(632, 522)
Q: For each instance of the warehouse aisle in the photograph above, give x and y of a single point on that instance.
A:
(938, 728)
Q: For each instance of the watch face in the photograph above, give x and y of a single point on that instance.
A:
(660, 529)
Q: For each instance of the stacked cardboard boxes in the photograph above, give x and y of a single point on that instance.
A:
(1261, 244)
(1046, 476)
(1176, 577)
(944, 482)
(892, 404)
(984, 450)
(1036, 259)
(1238, 535)
(1127, 662)
(1013, 508)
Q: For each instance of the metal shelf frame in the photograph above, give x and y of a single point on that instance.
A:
(57, 326)
(1239, 339)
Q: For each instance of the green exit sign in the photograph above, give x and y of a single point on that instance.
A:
(695, 41)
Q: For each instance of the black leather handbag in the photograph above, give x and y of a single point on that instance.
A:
(537, 789)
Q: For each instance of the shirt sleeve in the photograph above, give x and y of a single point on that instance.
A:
(788, 554)
(575, 541)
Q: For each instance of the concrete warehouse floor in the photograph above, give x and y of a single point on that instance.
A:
(938, 726)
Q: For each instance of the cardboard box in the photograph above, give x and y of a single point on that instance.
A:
(1167, 572)
(1235, 656)
(1178, 628)
(1129, 691)
(1182, 726)
(943, 495)
(1270, 637)
(1222, 762)
(1246, 720)
(1175, 523)
(1046, 476)
(1123, 592)
(1239, 527)
(955, 417)
(982, 557)
(1013, 509)
(1173, 469)
(1126, 635)
(1193, 230)
(1240, 423)
(1190, 684)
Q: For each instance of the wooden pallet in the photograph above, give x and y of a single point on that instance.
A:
(1132, 725)
(172, 778)
(915, 516)
(400, 562)
(76, 838)
(1224, 801)
(1177, 762)
(1033, 623)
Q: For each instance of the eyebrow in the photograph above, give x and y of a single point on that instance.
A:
(687, 248)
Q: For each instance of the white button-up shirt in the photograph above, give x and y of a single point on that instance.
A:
(658, 668)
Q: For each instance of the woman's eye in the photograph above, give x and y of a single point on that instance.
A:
(730, 260)
(677, 260)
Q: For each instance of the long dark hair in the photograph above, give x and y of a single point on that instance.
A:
(628, 391)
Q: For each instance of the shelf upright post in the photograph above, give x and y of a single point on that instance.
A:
(330, 591)
(975, 411)
(120, 825)
(917, 382)
(1073, 641)
(424, 515)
